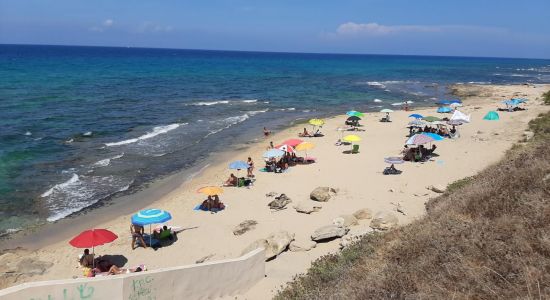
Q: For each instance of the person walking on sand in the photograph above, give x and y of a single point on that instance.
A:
(250, 167)
(137, 234)
(270, 146)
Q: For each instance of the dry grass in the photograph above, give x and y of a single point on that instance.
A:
(488, 238)
(546, 98)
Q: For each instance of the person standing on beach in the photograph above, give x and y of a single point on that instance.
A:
(266, 132)
(250, 167)
(137, 234)
(270, 145)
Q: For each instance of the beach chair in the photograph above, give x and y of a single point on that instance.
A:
(355, 149)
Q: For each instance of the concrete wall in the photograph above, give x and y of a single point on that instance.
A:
(202, 281)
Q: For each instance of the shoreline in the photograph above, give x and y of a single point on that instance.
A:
(180, 196)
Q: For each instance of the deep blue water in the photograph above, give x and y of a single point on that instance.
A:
(80, 124)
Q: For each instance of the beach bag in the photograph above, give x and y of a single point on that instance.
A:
(240, 182)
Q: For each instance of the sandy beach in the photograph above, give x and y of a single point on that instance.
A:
(357, 177)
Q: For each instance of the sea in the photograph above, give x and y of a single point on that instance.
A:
(81, 126)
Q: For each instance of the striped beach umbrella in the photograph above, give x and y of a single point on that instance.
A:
(273, 153)
(151, 216)
(419, 139)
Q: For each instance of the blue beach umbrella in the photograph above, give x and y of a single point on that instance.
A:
(444, 109)
(238, 165)
(273, 153)
(151, 216)
(416, 116)
(444, 102)
(519, 100)
(434, 136)
(455, 101)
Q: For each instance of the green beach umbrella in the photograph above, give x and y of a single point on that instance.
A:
(354, 113)
(431, 119)
(491, 116)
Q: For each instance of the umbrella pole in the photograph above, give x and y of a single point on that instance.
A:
(93, 258)
(150, 237)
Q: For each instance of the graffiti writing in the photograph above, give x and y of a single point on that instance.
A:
(82, 292)
(142, 289)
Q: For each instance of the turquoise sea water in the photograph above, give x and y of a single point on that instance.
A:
(79, 125)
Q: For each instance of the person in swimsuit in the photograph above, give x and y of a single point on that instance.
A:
(250, 167)
(137, 234)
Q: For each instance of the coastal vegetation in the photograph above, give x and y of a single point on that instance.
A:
(546, 98)
(486, 237)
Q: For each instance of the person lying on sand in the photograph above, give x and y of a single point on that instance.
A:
(231, 181)
(114, 270)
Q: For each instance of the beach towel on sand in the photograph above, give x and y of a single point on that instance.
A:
(198, 207)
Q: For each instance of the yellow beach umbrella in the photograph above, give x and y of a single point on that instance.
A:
(210, 190)
(351, 138)
(317, 122)
(305, 146)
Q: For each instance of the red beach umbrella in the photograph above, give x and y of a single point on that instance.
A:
(292, 142)
(92, 238)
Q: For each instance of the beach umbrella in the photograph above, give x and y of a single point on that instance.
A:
(431, 119)
(92, 238)
(286, 148)
(210, 190)
(238, 165)
(386, 110)
(444, 102)
(151, 216)
(416, 116)
(455, 122)
(455, 105)
(417, 123)
(353, 118)
(444, 109)
(317, 122)
(305, 146)
(519, 100)
(455, 101)
(273, 153)
(491, 116)
(435, 136)
(460, 116)
(351, 138)
(353, 113)
(291, 142)
(419, 139)
(394, 160)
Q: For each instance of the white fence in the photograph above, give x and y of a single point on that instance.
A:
(203, 281)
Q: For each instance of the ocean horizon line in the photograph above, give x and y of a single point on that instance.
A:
(282, 52)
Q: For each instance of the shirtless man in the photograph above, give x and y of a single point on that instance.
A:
(137, 233)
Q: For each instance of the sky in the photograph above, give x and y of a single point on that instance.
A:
(495, 28)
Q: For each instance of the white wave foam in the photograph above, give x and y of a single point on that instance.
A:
(28, 133)
(377, 100)
(376, 84)
(156, 131)
(250, 101)
(208, 103)
(105, 162)
(253, 113)
(61, 186)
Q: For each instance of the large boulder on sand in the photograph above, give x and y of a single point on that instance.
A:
(301, 245)
(345, 221)
(384, 221)
(274, 244)
(436, 188)
(280, 202)
(244, 226)
(363, 214)
(322, 193)
(329, 232)
(306, 207)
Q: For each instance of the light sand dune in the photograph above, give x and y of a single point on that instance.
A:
(358, 177)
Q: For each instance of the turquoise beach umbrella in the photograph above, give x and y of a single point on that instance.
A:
(491, 116)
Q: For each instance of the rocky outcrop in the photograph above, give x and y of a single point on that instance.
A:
(384, 221)
(354, 235)
(274, 244)
(345, 221)
(302, 245)
(322, 193)
(328, 232)
(244, 226)
(306, 207)
(363, 214)
(436, 188)
(280, 202)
